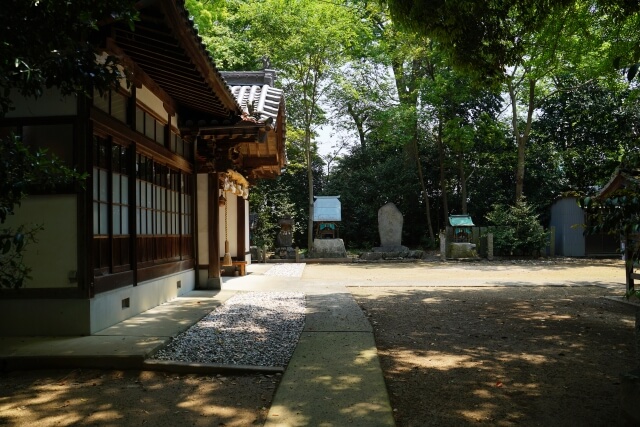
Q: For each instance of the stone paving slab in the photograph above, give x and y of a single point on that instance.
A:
(333, 380)
(335, 311)
(94, 345)
(171, 318)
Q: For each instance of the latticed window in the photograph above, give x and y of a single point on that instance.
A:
(111, 200)
(163, 212)
(113, 103)
(142, 209)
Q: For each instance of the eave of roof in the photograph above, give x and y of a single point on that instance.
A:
(165, 45)
(621, 177)
(461, 221)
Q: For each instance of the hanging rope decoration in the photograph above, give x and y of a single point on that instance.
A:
(237, 184)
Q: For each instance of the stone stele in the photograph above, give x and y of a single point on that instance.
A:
(390, 223)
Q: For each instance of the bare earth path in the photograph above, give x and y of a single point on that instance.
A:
(500, 344)
(503, 349)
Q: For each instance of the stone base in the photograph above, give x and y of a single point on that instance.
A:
(397, 248)
(388, 253)
(463, 250)
(285, 253)
(328, 248)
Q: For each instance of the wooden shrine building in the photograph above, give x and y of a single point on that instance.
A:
(148, 225)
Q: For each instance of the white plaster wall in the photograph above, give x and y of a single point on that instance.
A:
(72, 317)
(147, 97)
(107, 310)
(54, 256)
(51, 103)
(232, 224)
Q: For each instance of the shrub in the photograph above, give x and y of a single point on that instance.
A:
(516, 230)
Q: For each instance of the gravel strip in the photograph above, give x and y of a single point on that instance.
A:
(286, 270)
(255, 329)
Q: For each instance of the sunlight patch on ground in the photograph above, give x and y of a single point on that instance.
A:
(362, 409)
(533, 359)
(434, 360)
(286, 270)
(209, 410)
(342, 382)
(366, 356)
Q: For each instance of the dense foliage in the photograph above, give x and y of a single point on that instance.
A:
(517, 230)
(486, 37)
(440, 116)
(50, 43)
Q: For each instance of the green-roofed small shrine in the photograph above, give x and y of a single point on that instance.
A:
(461, 227)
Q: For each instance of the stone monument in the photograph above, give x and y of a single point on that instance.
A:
(284, 239)
(390, 222)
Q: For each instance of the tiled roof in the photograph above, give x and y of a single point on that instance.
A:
(254, 92)
(261, 102)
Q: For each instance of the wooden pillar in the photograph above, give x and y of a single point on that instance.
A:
(83, 148)
(242, 229)
(213, 280)
(628, 263)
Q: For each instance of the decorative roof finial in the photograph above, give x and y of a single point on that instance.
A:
(266, 62)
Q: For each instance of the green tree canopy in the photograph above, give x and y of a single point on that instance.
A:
(486, 37)
(50, 43)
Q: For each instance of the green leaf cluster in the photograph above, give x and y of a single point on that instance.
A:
(13, 242)
(51, 43)
(516, 230)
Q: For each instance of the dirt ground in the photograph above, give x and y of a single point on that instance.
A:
(457, 348)
(501, 357)
(132, 398)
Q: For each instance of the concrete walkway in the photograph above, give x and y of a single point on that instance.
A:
(333, 378)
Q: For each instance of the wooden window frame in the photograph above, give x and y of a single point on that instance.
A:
(110, 247)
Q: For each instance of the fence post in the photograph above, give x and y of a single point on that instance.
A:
(490, 246)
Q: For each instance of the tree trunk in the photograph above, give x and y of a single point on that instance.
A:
(463, 182)
(423, 186)
(359, 121)
(521, 139)
(408, 95)
(443, 184)
(307, 142)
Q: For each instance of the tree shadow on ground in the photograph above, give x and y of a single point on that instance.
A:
(115, 398)
(554, 263)
(547, 356)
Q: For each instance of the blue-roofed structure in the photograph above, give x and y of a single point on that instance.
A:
(461, 227)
